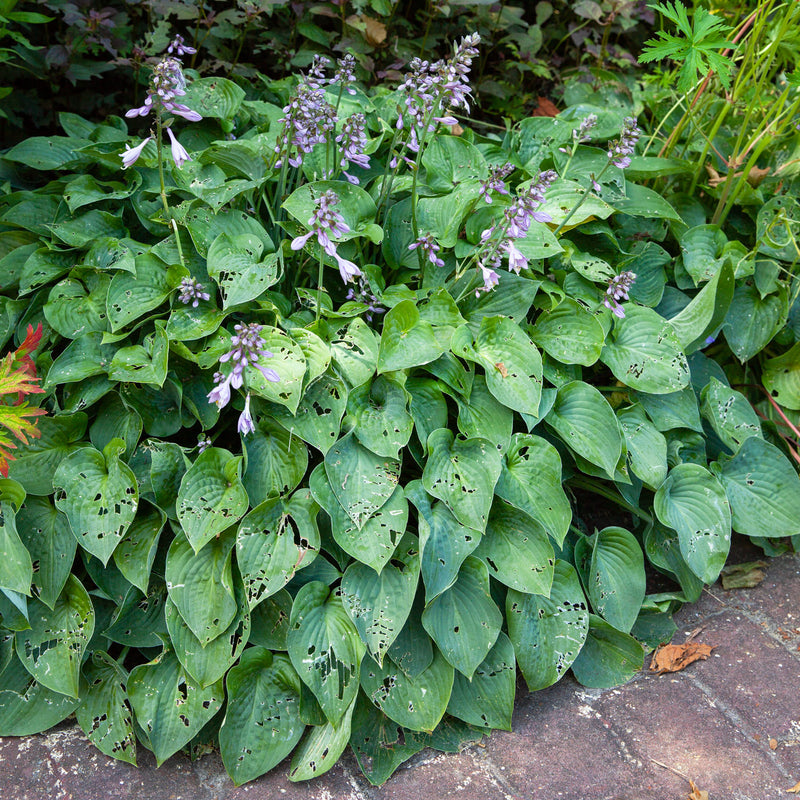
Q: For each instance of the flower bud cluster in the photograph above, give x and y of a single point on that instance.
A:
(428, 246)
(618, 288)
(621, 150)
(353, 141)
(191, 291)
(365, 295)
(496, 181)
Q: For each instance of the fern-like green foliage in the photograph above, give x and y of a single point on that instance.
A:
(697, 48)
(18, 379)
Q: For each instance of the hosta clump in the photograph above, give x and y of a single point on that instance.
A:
(314, 439)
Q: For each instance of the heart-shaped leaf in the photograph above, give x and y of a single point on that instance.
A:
(407, 341)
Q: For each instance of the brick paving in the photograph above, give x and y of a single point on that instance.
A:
(730, 723)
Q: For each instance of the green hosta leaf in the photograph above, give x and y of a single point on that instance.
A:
(145, 363)
(317, 353)
(586, 423)
(450, 161)
(318, 418)
(563, 196)
(647, 447)
(274, 541)
(361, 480)
(464, 620)
(27, 706)
(531, 481)
(168, 465)
(99, 495)
(208, 662)
(136, 552)
(663, 551)
(517, 551)
(83, 229)
(487, 701)
(211, 497)
(375, 542)
(46, 152)
(645, 353)
(355, 351)
(275, 462)
(730, 414)
(82, 358)
(53, 648)
(269, 621)
(415, 703)
(290, 364)
(428, 406)
(608, 657)
(444, 216)
(234, 262)
(46, 534)
(569, 333)
(131, 296)
(187, 324)
(36, 463)
(325, 648)
(104, 713)
(379, 603)
(444, 542)
(204, 226)
(380, 418)
(512, 364)
(763, 489)
(781, 378)
(169, 704)
(702, 249)
(72, 311)
(692, 502)
(407, 341)
(139, 620)
(200, 584)
(321, 748)
(615, 579)
(643, 202)
(674, 410)
(214, 97)
(482, 416)
(462, 474)
(752, 321)
(548, 633)
(16, 568)
(262, 720)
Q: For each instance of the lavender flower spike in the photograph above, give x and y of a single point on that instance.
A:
(428, 246)
(179, 154)
(246, 424)
(620, 150)
(618, 288)
(179, 48)
(131, 154)
(192, 292)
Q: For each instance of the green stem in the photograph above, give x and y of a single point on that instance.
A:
(320, 278)
(580, 202)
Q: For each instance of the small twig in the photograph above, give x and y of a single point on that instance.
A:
(721, 602)
(672, 769)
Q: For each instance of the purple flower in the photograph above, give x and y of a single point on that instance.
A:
(353, 141)
(324, 220)
(246, 424)
(203, 442)
(131, 154)
(316, 79)
(618, 288)
(346, 74)
(428, 246)
(247, 348)
(620, 150)
(179, 48)
(179, 154)
(581, 133)
(309, 118)
(366, 296)
(166, 83)
(490, 280)
(192, 292)
(496, 181)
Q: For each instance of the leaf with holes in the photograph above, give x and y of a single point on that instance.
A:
(169, 704)
(132, 295)
(135, 554)
(644, 352)
(444, 541)
(105, 714)
(289, 362)
(586, 423)
(52, 649)
(207, 663)
(201, 585)
(354, 350)
(274, 463)
(487, 701)
(139, 620)
(378, 412)
(211, 497)
(379, 604)
(462, 474)
(325, 648)
(269, 621)
(262, 720)
(512, 364)
(234, 262)
(569, 333)
(374, 543)
(517, 550)
(407, 341)
(319, 415)
(361, 480)
(274, 541)
(615, 579)
(730, 414)
(548, 632)
(608, 657)
(646, 445)
(763, 489)
(464, 620)
(692, 501)
(483, 416)
(531, 481)
(99, 494)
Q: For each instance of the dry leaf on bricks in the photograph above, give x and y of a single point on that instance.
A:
(675, 657)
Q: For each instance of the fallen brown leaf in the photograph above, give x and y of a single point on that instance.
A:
(375, 30)
(773, 744)
(697, 794)
(795, 789)
(675, 657)
(545, 108)
(743, 576)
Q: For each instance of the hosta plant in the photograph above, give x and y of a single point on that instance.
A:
(326, 402)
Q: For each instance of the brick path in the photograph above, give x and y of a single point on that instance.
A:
(731, 724)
